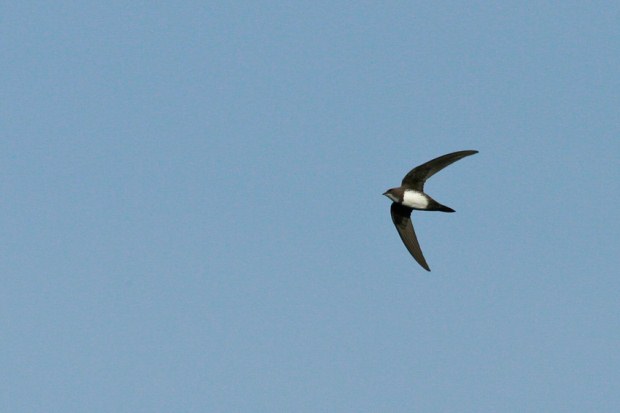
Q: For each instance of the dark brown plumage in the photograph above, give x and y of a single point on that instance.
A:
(410, 195)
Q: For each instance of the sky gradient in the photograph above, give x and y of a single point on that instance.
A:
(191, 215)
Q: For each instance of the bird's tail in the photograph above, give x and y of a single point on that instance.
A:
(436, 206)
(444, 208)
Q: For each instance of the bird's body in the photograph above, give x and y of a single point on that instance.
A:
(415, 199)
(410, 195)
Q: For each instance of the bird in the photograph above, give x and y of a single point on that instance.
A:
(410, 195)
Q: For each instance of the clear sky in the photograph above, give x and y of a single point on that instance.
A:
(191, 217)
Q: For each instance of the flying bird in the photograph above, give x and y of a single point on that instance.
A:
(410, 195)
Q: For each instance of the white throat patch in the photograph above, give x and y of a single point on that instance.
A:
(415, 199)
(392, 197)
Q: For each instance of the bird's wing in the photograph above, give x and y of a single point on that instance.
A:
(417, 176)
(401, 216)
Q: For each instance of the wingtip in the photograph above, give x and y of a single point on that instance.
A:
(424, 265)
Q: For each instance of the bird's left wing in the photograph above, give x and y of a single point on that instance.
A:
(417, 176)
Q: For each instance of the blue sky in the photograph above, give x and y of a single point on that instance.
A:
(192, 219)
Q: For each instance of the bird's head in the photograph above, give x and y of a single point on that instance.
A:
(395, 194)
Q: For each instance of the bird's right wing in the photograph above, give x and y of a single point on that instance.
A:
(401, 216)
